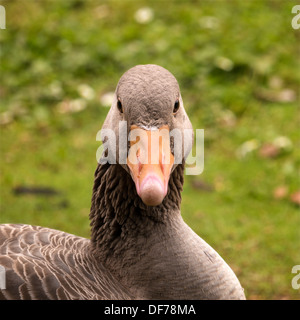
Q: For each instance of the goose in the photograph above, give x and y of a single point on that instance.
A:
(140, 247)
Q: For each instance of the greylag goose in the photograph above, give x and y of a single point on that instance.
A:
(140, 247)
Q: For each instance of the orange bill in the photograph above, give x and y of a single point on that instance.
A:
(150, 162)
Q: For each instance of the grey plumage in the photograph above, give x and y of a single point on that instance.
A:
(136, 251)
(42, 263)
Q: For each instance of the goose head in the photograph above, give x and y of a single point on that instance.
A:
(147, 121)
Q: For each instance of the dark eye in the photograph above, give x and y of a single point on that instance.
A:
(176, 106)
(119, 105)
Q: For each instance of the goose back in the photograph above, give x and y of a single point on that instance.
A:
(46, 264)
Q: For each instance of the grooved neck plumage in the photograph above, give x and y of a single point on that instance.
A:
(118, 214)
(150, 250)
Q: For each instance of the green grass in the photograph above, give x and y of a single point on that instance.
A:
(237, 65)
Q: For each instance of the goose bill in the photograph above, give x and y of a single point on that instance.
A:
(150, 162)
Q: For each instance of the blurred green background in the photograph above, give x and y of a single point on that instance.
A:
(237, 63)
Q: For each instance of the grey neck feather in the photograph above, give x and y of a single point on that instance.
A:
(150, 250)
(117, 212)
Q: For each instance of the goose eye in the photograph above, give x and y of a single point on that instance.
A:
(176, 106)
(119, 105)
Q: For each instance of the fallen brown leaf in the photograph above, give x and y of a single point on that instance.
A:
(269, 150)
(295, 198)
(283, 96)
(201, 185)
(280, 192)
